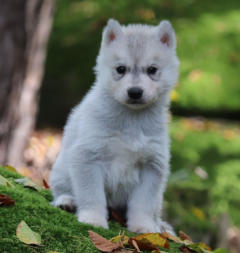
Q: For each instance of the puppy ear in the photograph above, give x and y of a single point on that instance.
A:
(111, 32)
(166, 34)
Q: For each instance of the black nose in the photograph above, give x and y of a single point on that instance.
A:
(135, 93)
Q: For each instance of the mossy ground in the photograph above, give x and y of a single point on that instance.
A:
(60, 231)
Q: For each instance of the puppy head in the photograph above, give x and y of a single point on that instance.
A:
(137, 63)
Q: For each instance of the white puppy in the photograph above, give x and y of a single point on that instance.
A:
(115, 148)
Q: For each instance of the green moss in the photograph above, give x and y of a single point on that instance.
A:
(193, 203)
(60, 231)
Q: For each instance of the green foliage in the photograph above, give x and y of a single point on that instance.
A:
(205, 176)
(208, 48)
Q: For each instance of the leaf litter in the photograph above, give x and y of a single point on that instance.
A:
(5, 182)
(28, 183)
(102, 243)
(5, 200)
(152, 242)
(26, 235)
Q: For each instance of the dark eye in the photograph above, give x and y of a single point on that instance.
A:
(121, 70)
(151, 70)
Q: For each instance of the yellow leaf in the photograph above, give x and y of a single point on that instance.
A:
(174, 95)
(198, 213)
(150, 241)
(26, 235)
(10, 168)
(120, 238)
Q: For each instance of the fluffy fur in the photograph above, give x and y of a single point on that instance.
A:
(115, 152)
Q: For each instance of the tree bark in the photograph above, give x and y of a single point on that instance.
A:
(25, 26)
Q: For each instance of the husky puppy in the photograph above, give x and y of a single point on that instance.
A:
(115, 148)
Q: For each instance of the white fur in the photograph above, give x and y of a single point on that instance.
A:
(115, 153)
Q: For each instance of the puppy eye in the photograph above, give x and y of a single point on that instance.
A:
(151, 70)
(121, 70)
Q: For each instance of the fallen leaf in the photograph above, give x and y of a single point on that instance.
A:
(150, 241)
(120, 238)
(46, 185)
(102, 243)
(118, 216)
(185, 249)
(184, 236)
(172, 238)
(28, 183)
(200, 247)
(26, 235)
(10, 168)
(5, 182)
(124, 251)
(158, 251)
(135, 245)
(5, 200)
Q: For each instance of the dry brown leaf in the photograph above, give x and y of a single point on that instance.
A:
(172, 237)
(46, 185)
(158, 251)
(118, 217)
(102, 243)
(124, 251)
(184, 236)
(135, 245)
(5, 200)
(185, 249)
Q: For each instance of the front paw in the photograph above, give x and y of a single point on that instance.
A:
(166, 227)
(142, 224)
(93, 218)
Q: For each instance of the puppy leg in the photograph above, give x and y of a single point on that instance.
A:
(88, 187)
(146, 201)
(61, 187)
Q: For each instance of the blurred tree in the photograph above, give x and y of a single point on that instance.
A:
(24, 28)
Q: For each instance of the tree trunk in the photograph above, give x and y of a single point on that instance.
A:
(25, 26)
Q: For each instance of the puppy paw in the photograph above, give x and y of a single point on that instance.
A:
(93, 218)
(166, 227)
(65, 202)
(142, 224)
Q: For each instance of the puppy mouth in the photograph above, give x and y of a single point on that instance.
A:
(135, 102)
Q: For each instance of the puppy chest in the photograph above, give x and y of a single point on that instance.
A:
(126, 160)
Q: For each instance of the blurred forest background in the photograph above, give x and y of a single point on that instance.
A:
(203, 195)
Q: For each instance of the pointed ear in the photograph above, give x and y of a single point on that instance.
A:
(166, 34)
(111, 32)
